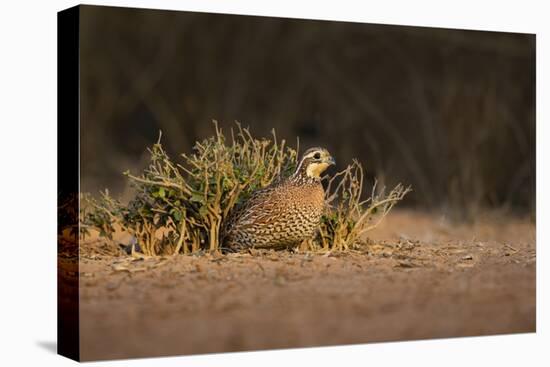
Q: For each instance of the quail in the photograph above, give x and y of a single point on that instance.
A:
(284, 213)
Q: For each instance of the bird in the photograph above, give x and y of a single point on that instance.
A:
(284, 213)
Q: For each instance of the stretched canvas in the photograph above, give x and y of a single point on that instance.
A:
(234, 183)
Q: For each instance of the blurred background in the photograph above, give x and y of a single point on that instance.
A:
(449, 112)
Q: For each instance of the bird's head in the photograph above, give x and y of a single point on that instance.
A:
(314, 162)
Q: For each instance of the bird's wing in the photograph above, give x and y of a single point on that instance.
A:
(264, 205)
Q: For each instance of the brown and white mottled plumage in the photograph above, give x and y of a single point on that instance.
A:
(284, 213)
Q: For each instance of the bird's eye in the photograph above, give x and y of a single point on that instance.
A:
(317, 155)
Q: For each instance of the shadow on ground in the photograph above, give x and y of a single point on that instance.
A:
(50, 346)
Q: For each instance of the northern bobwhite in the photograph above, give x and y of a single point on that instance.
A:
(284, 213)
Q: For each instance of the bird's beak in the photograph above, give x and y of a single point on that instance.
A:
(331, 161)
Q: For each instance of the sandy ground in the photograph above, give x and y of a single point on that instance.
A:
(418, 277)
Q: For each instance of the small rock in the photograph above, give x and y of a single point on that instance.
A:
(406, 264)
(111, 286)
(279, 280)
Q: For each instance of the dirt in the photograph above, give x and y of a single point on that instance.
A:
(418, 276)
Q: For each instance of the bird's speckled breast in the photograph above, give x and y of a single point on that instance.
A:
(286, 215)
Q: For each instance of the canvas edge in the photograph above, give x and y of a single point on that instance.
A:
(68, 131)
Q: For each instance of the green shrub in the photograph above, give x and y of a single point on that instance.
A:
(180, 208)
